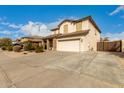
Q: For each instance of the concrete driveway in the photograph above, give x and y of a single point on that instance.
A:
(61, 69)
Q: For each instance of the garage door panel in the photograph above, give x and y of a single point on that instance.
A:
(69, 45)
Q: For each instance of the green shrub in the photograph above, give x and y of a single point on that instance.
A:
(17, 48)
(34, 45)
(3, 47)
(39, 49)
(27, 46)
(10, 48)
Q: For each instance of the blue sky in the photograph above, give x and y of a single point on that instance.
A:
(18, 21)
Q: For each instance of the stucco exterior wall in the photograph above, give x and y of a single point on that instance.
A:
(84, 42)
(55, 32)
(70, 27)
(93, 37)
(122, 45)
(87, 42)
(84, 26)
(24, 40)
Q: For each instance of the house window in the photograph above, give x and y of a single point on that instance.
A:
(65, 28)
(79, 26)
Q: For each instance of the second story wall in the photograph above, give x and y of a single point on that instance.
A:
(82, 25)
(73, 26)
(93, 37)
(66, 27)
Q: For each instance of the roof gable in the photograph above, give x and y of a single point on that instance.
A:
(79, 20)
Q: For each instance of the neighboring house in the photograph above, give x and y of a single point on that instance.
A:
(76, 35)
(32, 39)
(71, 35)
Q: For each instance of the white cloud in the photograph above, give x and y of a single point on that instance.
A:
(11, 25)
(117, 10)
(5, 32)
(15, 26)
(38, 28)
(32, 28)
(114, 36)
(11, 34)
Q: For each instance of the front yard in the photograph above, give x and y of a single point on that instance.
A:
(61, 69)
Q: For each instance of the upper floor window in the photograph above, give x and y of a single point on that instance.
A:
(79, 26)
(65, 28)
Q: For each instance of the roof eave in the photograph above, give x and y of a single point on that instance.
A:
(74, 34)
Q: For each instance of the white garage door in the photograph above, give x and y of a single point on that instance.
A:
(68, 45)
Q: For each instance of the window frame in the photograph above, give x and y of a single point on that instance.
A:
(65, 27)
(79, 26)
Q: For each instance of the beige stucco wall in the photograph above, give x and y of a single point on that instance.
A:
(70, 27)
(55, 32)
(85, 25)
(93, 37)
(88, 42)
(85, 43)
(122, 45)
(24, 40)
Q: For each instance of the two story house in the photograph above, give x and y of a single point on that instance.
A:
(75, 35)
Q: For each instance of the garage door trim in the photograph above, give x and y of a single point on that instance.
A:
(72, 45)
